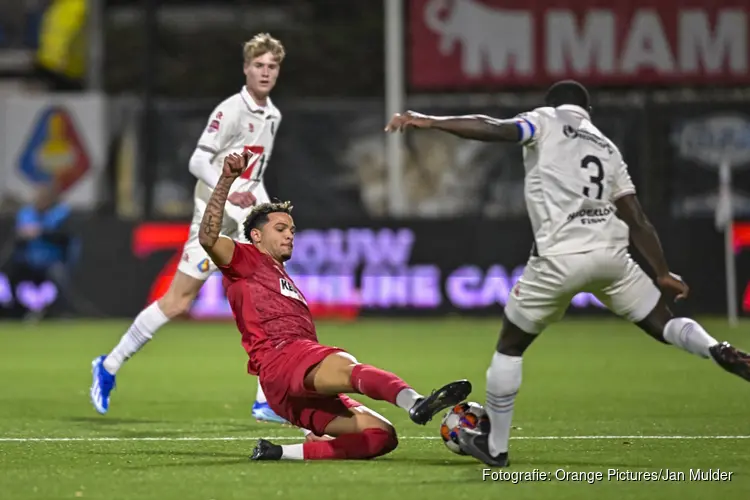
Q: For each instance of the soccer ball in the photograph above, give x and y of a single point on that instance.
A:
(469, 415)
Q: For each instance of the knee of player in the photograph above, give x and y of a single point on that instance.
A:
(513, 341)
(383, 440)
(343, 367)
(656, 321)
(348, 362)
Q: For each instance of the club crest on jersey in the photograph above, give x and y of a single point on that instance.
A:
(288, 290)
(251, 127)
(214, 125)
(273, 128)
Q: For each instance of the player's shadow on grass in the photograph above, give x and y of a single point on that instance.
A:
(441, 462)
(167, 453)
(102, 421)
(195, 463)
(212, 458)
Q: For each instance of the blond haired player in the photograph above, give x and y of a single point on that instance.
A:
(246, 122)
(583, 210)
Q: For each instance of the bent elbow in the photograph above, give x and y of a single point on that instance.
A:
(195, 163)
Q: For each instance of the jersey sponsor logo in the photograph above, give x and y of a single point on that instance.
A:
(253, 162)
(214, 125)
(203, 265)
(589, 216)
(572, 133)
(288, 289)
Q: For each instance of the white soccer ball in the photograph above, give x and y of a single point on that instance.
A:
(468, 415)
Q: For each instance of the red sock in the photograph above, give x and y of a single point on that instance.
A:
(376, 383)
(369, 443)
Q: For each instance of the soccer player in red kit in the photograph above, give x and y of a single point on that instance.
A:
(304, 381)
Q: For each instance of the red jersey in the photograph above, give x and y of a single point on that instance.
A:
(269, 309)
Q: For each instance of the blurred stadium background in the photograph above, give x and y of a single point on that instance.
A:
(109, 98)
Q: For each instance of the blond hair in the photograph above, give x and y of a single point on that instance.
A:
(260, 44)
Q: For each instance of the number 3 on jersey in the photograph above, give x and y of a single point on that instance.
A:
(593, 161)
(256, 155)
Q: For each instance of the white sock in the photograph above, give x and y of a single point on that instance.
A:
(689, 335)
(292, 452)
(406, 398)
(260, 396)
(503, 382)
(139, 333)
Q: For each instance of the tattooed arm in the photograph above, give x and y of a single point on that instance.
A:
(220, 249)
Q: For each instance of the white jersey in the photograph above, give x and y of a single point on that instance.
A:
(239, 124)
(574, 174)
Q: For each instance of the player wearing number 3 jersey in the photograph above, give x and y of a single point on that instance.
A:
(583, 211)
(245, 123)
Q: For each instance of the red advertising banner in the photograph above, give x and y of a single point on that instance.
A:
(480, 43)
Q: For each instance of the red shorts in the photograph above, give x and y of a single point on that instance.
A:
(282, 376)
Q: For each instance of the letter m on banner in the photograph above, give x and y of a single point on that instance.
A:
(462, 44)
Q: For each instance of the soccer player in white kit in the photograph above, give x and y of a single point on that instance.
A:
(245, 122)
(583, 210)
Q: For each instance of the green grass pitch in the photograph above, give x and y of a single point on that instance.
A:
(597, 395)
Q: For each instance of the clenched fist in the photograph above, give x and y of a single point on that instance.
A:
(234, 165)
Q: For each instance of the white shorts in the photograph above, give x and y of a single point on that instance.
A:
(543, 293)
(195, 262)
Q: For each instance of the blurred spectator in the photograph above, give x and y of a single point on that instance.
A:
(45, 249)
(61, 57)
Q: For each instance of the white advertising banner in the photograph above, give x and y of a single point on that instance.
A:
(53, 138)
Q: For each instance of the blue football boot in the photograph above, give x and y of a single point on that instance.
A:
(263, 413)
(102, 384)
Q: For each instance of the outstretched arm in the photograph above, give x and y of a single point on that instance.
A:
(477, 127)
(219, 249)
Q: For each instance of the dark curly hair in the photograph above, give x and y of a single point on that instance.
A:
(258, 217)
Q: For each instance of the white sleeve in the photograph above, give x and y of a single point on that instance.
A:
(200, 166)
(214, 139)
(530, 127)
(219, 130)
(622, 184)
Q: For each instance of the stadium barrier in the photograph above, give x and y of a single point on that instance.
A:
(383, 268)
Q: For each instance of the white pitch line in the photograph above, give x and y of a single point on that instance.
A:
(286, 438)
